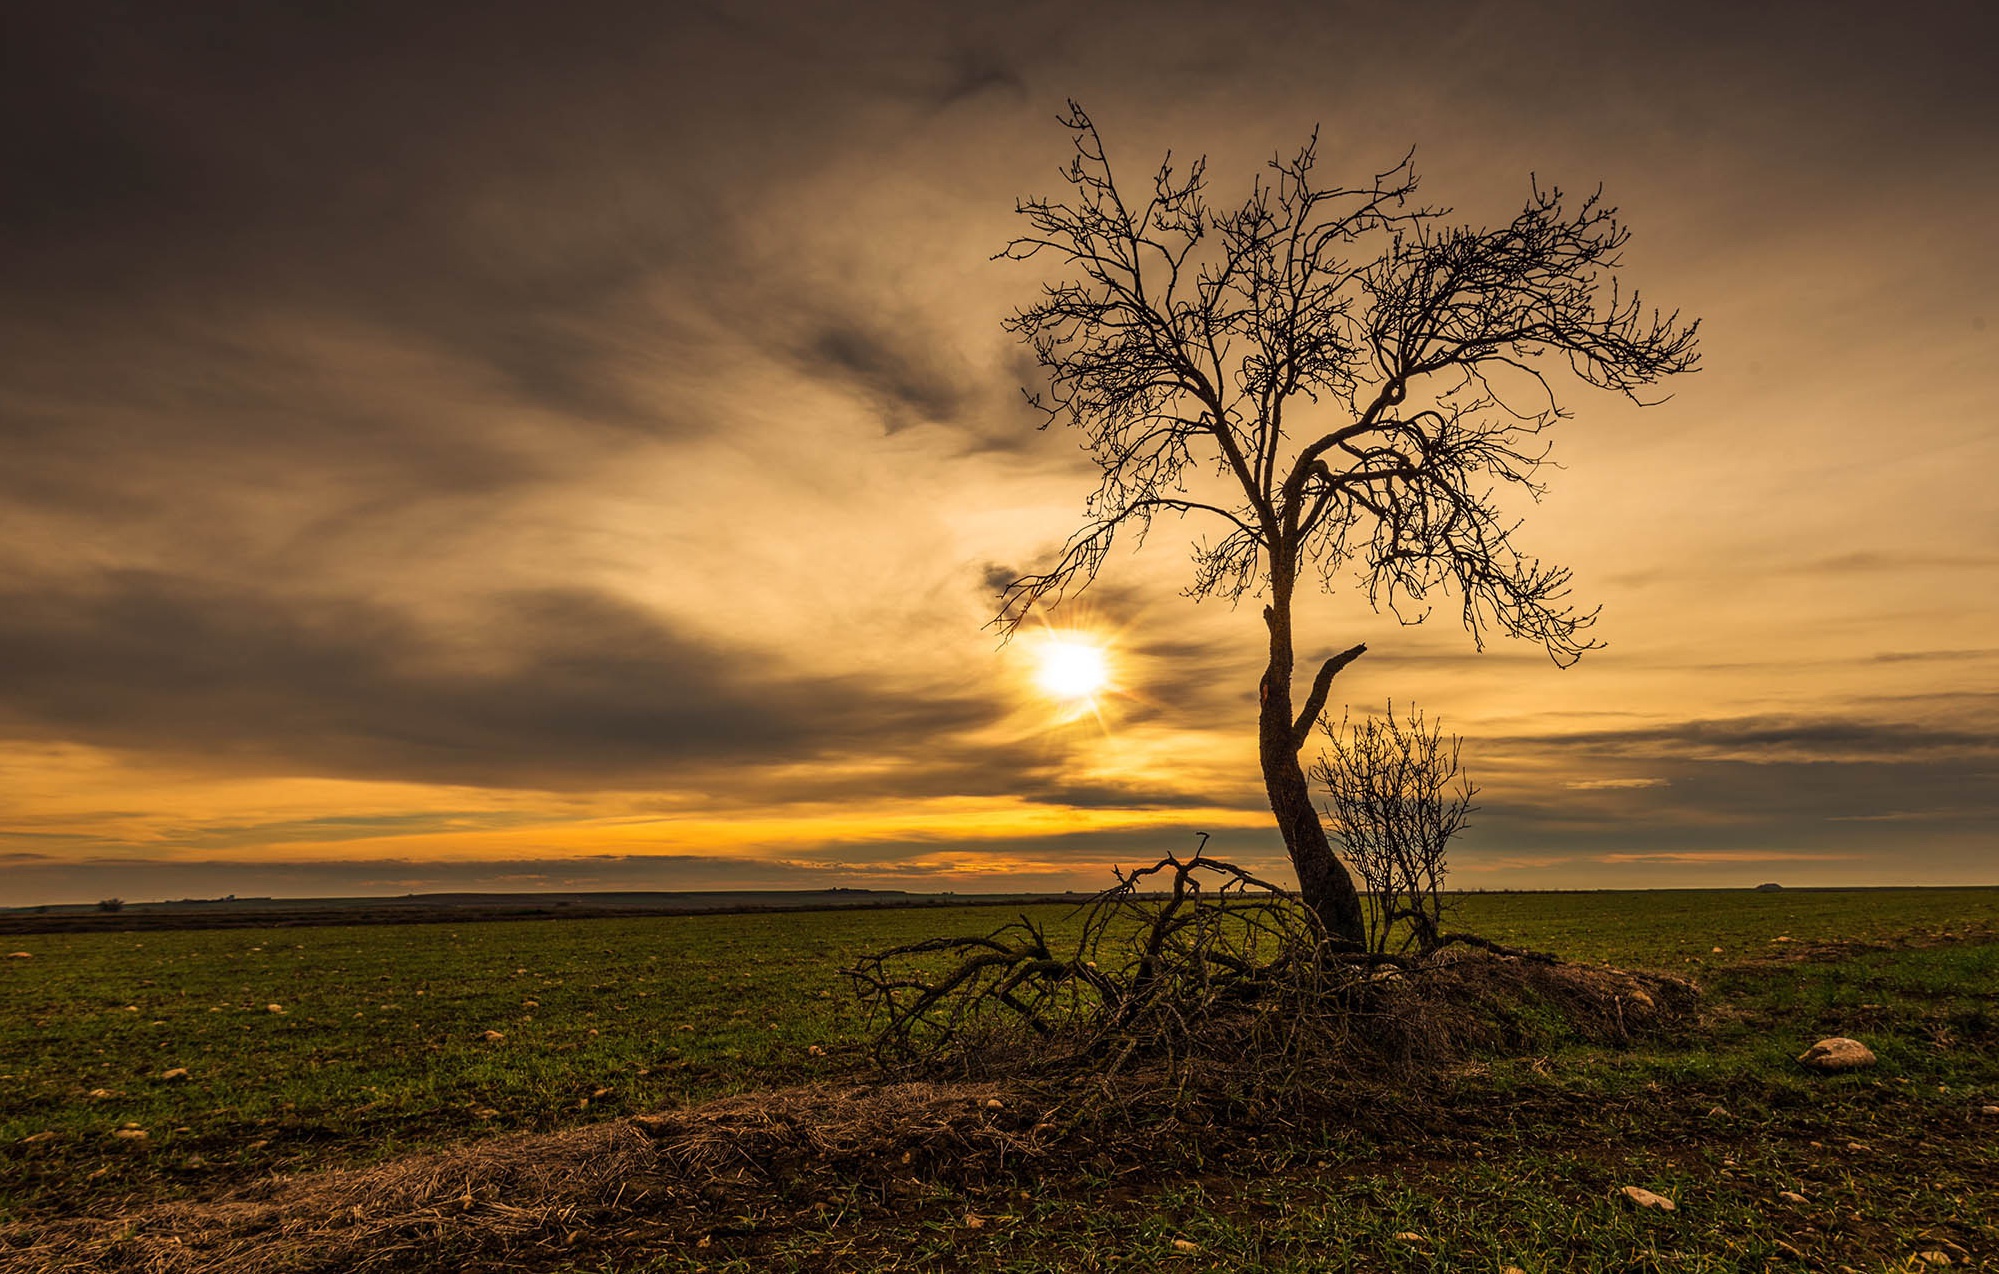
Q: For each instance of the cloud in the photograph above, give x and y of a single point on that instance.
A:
(1701, 856)
(496, 396)
(1000, 864)
(1774, 739)
(545, 689)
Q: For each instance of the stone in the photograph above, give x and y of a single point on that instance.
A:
(1640, 1197)
(274, 1008)
(1988, 1110)
(1837, 1053)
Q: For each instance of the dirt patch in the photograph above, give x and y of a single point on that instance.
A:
(669, 1176)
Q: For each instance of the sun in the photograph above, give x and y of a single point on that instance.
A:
(1072, 669)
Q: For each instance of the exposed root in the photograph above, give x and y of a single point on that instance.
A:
(1227, 986)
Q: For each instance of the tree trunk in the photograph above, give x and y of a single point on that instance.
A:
(1323, 882)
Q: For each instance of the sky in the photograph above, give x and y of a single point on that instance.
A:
(515, 446)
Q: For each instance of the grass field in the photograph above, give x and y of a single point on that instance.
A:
(386, 1039)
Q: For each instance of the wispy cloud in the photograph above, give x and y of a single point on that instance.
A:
(1698, 857)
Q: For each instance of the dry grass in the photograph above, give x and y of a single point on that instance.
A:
(525, 1199)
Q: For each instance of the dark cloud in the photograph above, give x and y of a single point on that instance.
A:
(901, 379)
(1935, 656)
(1912, 803)
(1792, 799)
(552, 689)
(1774, 739)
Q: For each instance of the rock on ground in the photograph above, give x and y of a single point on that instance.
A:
(1837, 1054)
(1640, 1197)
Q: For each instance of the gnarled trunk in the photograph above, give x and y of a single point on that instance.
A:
(1323, 882)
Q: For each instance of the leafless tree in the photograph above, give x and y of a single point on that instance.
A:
(1340, 380)
(1396, 796)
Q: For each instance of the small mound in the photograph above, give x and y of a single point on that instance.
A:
(1463, 1001)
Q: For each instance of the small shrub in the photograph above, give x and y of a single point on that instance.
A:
(1396, 796)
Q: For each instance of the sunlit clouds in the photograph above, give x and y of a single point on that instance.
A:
(508, 445)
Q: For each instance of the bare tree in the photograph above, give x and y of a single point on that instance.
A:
(1397, 795)
(1338, 379)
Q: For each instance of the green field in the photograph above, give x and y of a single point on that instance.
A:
(391, 1038)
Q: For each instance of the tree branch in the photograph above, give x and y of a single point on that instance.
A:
(1315, 702)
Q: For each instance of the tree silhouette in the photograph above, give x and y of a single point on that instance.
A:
(1341, 380)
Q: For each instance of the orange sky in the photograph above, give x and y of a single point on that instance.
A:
(525, 448)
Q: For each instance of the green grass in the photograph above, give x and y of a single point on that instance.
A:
(381, 1048)
(382, 1042)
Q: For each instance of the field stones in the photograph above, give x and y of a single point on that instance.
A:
(1836, 1054)
(1640, 1197)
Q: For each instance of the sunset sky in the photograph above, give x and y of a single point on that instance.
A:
(510, 446)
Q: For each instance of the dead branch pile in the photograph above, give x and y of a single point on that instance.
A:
(1226, 986)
